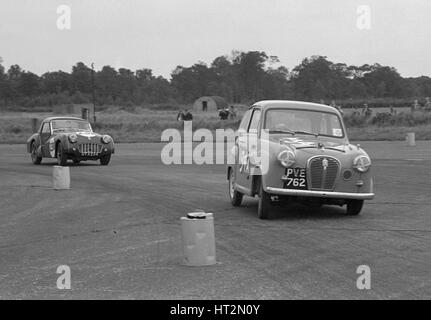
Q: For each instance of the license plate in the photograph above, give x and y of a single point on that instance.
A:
(295, 178)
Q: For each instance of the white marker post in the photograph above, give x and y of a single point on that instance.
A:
(61, 178)
(198, 239)
(410, 138)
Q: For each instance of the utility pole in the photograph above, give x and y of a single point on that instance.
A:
(94, 96)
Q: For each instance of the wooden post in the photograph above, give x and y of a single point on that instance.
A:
(34, 125)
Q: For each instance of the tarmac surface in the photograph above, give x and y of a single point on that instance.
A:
(118, 229)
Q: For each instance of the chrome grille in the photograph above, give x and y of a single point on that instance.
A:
(323, 177)
(90, 149)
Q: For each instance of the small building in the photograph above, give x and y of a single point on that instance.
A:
(209, 103)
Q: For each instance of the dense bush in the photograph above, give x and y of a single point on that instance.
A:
(386, 119)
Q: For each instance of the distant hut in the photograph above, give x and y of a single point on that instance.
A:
(210, 103)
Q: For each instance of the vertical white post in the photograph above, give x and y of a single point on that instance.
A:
(198, 239)
(411, 141)
(61, 178)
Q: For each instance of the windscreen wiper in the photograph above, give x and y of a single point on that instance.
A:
(282, 131)
(307, 133)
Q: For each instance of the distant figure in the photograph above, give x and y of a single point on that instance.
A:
(180, 116)
(356, 111)
(223, 114)
(392, 110)
(415, 106)
(232, 113)
(367, 111)
(187, 116)
(427, 104)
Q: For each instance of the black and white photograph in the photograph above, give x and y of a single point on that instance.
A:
(235, 152)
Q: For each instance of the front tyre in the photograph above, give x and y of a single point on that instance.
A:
(33, 153)
(264, 204)
(104, 161)
(235, 196)
(354, 207)
(61, 155)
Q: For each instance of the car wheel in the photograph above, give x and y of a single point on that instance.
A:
(264, 204)
(104, 161)
(34, 158)
(354, 207)
(61, 155)
(235, 196)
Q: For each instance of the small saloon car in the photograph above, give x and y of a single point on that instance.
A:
(66, 138)
(296, 151)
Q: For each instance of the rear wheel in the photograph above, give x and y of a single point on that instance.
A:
(104, 161)
(354, 207)
(35, 159)
(61, 155)
(264, 204)
(235, 196)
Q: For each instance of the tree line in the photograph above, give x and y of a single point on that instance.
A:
(240, 77)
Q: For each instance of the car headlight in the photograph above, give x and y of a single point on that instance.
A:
(106, 139)
(73, 138)
(362, 163)
(287, 158)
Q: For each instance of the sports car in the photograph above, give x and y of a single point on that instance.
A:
(67, 138)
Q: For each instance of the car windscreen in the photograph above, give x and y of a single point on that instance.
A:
(68, 125)
(297, 121)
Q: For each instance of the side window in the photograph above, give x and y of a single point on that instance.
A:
(244, 122)
(45, 128)
(255, 120)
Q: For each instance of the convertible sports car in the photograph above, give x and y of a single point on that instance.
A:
(297, 151)
(69, 138)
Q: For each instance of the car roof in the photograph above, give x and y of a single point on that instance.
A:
(266, 104)
(62, 118)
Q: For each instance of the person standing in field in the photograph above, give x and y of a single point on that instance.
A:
(427, 106)
(180, 116)
(232, 113)
(187, 115)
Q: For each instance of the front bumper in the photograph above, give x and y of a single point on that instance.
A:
(74, 152)
(320, 194)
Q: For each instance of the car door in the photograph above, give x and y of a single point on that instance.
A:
(246, 142)
(45, 135)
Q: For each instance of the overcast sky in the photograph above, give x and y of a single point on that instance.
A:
(161, 34)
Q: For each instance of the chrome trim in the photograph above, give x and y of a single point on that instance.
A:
(89, 149)
(321, 194)
(309, 171)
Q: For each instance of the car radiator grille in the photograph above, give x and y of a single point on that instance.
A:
(323, 177)
(90, 149)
